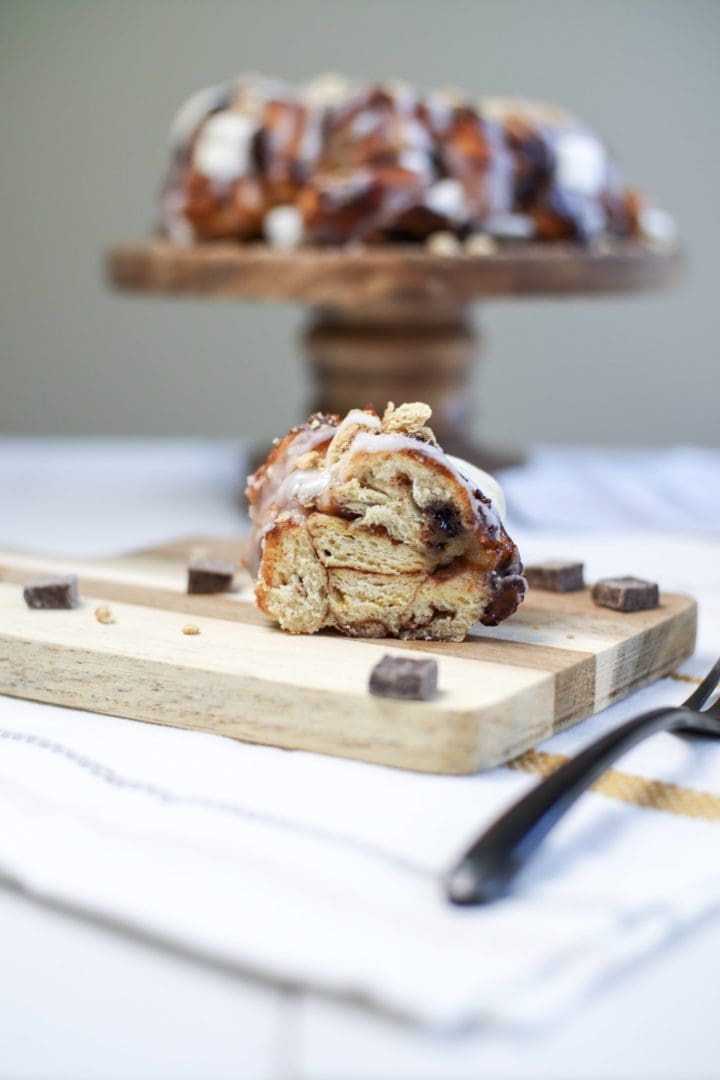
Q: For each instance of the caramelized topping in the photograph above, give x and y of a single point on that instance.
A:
(333, 164)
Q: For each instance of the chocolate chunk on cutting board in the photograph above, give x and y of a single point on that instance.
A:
(398, 677)
(626, 594)
(239, 678)
(52, 593)
(210, 575)
(556, 575)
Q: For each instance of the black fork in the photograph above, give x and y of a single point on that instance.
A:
(487, 869)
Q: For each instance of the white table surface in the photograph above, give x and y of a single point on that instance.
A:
(80, 1000)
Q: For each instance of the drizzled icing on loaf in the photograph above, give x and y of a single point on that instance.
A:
(366, 525)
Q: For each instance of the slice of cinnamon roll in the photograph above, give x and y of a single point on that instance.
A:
(366, 525)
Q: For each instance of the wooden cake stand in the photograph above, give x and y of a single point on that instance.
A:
(393, 323)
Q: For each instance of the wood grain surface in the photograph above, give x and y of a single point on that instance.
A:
(502, 691)
(373, 277)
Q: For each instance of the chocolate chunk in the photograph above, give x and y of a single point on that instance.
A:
(445, 520)
(398, 677)
(52, 592)
(556, 575)
(443, 524)
(626, 594)
(507, 594)
(210, 576)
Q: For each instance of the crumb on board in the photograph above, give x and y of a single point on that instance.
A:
(190, 629)
(104, 615)
(570, 637)
(443, 243)
(480, 244)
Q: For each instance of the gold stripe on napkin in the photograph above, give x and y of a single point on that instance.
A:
(629, 788)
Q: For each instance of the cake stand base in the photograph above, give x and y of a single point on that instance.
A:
(361, 357)
(391, 323)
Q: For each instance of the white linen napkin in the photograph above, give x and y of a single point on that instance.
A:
(328, 872)
(580, 489)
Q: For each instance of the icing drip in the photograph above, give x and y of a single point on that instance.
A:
(470, 477)
(279, 487)
(307, 487)
(285, 489)
(483, 481)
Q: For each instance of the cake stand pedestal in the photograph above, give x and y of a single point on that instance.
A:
(393, 323)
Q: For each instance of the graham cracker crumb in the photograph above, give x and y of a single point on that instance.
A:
(312, 459)
(191, 629)
(342, 441)
(480, 244)
(104, 615)
(407, 418)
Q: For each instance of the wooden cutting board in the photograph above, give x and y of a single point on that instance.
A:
(502, 691)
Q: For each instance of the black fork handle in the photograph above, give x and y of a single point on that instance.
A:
(490, 865)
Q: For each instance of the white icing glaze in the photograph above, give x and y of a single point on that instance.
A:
(285, 489)
(308, 487)
(303, 487)
(447, 198)
(580, 164)
(281, 487)
(359, 416)
(312, 136)
(179, 229)
(463, 472)
(190, 115)
(222, 151)
(510, 226)
(414, 160)
(276, 474)
(487, 484)
(363, 123)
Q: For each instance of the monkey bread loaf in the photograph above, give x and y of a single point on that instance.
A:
(332, 163)
(366, 525)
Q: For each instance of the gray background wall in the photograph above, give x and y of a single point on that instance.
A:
(87, 89)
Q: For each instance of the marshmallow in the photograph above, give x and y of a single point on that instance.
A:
(222, 151)
(190, 115)
(283, 227)
(443, 243)
(581, 165)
